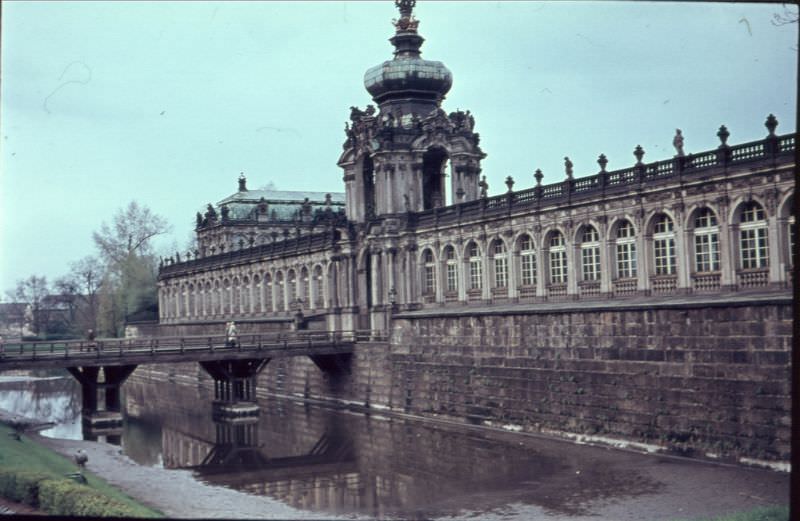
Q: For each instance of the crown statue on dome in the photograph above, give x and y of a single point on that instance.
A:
(407, 22)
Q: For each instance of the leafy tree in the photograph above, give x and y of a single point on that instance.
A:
(129, 282)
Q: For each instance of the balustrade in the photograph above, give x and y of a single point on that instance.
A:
(756, 278)
(706, 282)
(661, 284)
(589, 288)
(625, 287)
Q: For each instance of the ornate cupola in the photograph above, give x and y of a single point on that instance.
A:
(396, 159)
(416, 85)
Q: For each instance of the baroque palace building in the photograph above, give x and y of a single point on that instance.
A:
(651, 303)
(712, 222)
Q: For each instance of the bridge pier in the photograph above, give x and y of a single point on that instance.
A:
(101, 419)
(234, 386)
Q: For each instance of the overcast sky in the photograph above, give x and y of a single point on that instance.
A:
(165, 103)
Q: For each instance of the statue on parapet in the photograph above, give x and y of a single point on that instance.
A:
(568, 167)
(677, 142)
(484, 186)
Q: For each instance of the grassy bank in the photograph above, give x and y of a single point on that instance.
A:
(38, 474)
(772, 513)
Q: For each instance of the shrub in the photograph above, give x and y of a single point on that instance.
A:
(67, 498)
(21, 486)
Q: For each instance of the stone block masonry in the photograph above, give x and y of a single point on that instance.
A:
(695, 380)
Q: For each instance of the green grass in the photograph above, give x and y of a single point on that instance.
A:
(771, 513)
(29, 456)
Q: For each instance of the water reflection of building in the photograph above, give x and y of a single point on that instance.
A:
(337, 462)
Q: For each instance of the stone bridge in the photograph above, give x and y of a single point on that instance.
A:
(234, 366)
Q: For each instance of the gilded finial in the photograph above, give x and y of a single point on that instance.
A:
(405, 7)
(406, 21)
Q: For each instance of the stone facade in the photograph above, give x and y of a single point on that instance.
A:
(649, 303)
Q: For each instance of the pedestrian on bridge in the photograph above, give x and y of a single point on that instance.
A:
(90, 338)
(231, 334)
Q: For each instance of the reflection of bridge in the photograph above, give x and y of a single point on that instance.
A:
(233, 368)
(242, 462)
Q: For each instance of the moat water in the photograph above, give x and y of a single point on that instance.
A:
(341, 463)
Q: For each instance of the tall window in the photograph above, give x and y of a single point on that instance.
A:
(306, 288)
(245, 295)
(500, 265)
(664, 245)
(267, 292)
(291, 279)
(257, 299)
(217, 298)
(279, 290)
(527, 259)
(558, 258)
(428, 273)
(753, 237)
(451, 269)
(626, 250)
(706, 241)
(319, 299)
(475, 267)
(590, 253)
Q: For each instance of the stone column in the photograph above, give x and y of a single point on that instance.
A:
(572, 263)
(728, 235)
(390, 270)
(514, 273)
(606, 261)
(682, 268)
(541, 265)
(375, 274)
(486, 292)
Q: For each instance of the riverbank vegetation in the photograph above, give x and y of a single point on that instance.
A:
(771, 513)
(37, 476)
(101, 292)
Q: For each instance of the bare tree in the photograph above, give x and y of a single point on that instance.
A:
(130, 233)
(32, 292)
(79, 289)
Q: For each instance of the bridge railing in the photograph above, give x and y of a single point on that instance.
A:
(106, 347)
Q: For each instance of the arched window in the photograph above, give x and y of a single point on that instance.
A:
(257, 297)
(626, 250)
(475, 267)
(590, 253)
(428, 273)
(558, 258)
(217, 298)
(664, 245)
(706, 241)
(319, 298)
(226, 297)
(527, 259)
(500, 258)
(451, 269)
(207, 297)
(306, 288)
(753, 243)
(245, 298)
(279, 292)
(267, 292)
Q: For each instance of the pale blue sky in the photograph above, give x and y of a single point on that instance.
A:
(166, 103)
